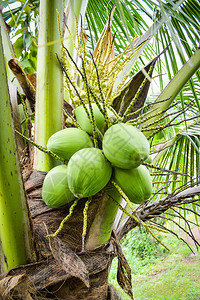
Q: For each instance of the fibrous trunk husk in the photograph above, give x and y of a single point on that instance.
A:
(62, 270)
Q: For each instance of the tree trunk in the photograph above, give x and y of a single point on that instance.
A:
(62, 271)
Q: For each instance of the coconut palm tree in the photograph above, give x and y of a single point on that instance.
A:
(73, 262)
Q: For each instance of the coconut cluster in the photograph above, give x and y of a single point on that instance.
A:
(89, 169)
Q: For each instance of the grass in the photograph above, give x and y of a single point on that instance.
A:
(156, 273)
(176, 279)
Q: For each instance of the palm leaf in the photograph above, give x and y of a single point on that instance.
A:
(173, 88)
(178, 20)
(181, 153)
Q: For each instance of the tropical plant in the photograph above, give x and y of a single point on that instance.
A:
(77, 242)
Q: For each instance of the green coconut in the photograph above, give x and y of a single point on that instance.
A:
(125, 146)
(88, 172)
(55, 190)
(83, 120)
(68, 141)
(136, 183)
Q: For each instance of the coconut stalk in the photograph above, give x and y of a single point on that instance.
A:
(9, 54)
(7, 47)
(74, 13)
(49, 92)
(15, 230)
(101, 228)
(75, 9)
(173, 89)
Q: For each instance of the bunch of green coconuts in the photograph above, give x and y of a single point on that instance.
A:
(89, 169)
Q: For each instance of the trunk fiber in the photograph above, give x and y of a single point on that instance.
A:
(62, 271)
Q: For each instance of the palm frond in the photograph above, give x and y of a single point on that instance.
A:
(180, 153)
(168, 21)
